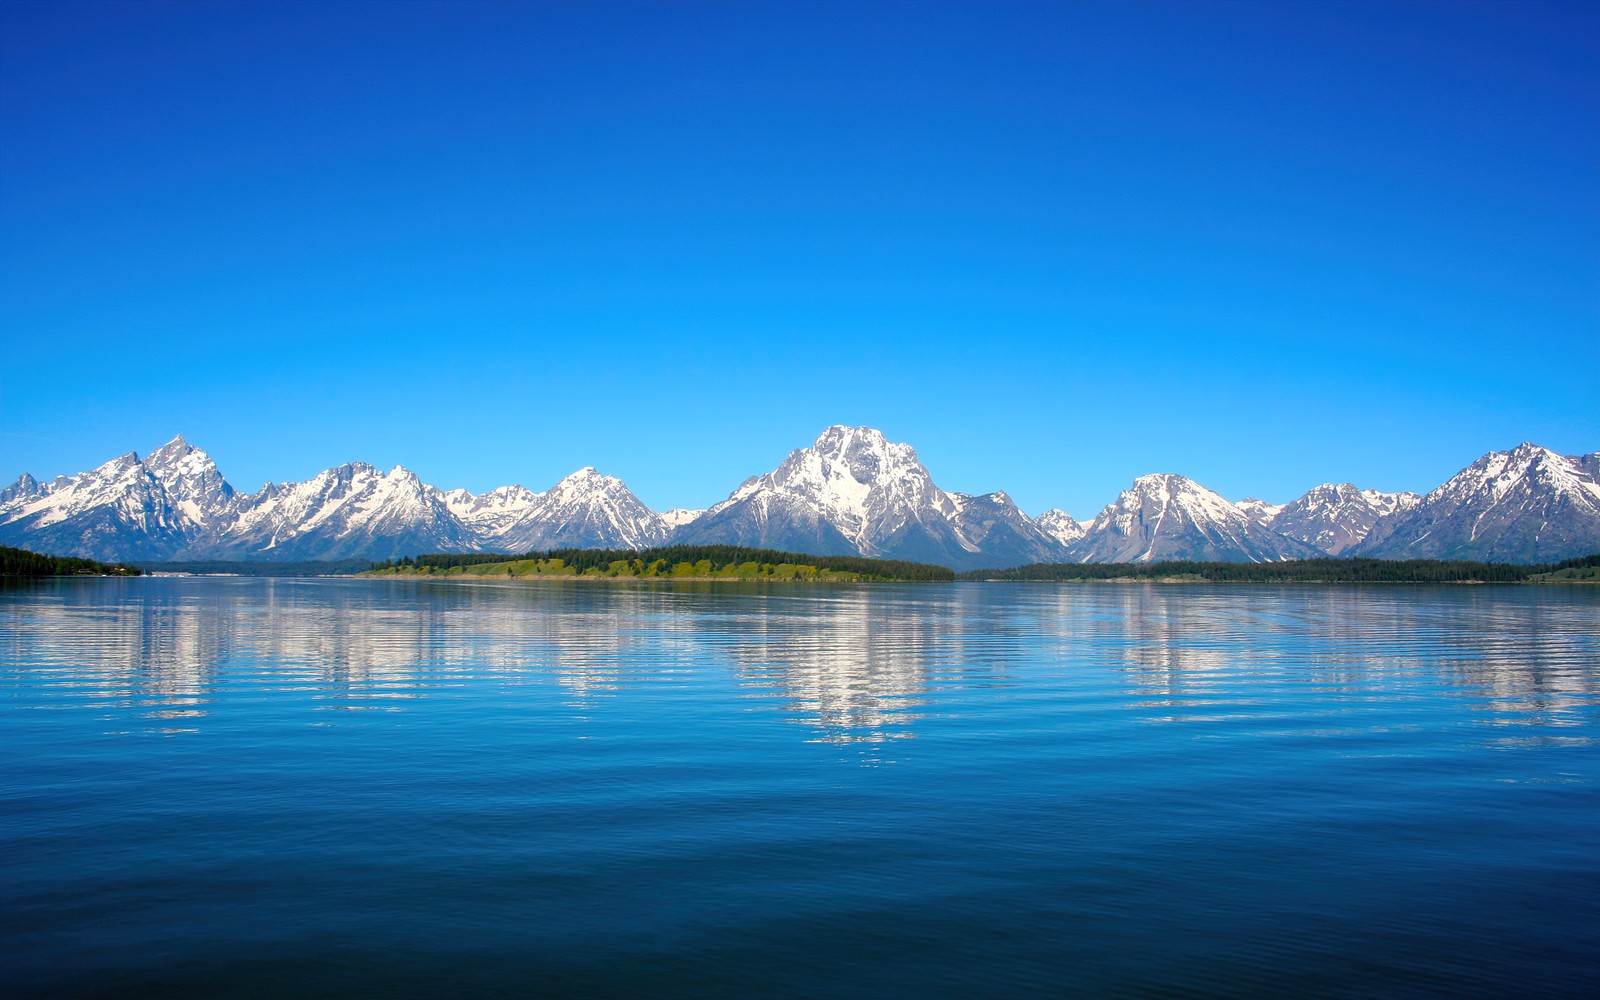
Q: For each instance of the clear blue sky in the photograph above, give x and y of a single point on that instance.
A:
(1052, 246)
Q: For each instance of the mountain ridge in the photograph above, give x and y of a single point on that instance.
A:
(852, 492)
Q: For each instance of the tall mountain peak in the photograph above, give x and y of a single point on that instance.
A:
(173, 450)
(1526, 504)
(1337, 517)
(853, 491)
(1168, 516)
(1060, 525)
(586, 509)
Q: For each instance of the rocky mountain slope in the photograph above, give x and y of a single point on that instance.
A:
(155, 507)
(1528, 504)
(854, 492)
(1060, 525)
(175, 504)
(353, 511)
(1337, 517)
(1168, 516)
(584, 510)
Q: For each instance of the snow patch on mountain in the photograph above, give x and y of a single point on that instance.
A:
(584, 510)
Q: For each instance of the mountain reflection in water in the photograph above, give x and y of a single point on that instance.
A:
(247, 787)
(854, 664)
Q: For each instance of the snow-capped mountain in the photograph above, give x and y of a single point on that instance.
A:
(155, 507)
(1336, 517)
(677, 517)
(1058, 524)
(494, 513)
(1259, 511)
(586, 510)
(854, 492)
(25, 488)
(851, 492)
(175, 504)
(353, 511)
(191, 482)
(1172, 517)
(1003, 534)
(1528, 504)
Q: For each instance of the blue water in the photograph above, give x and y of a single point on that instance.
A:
(236, 787)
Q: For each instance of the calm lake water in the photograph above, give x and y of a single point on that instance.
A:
(236, 787)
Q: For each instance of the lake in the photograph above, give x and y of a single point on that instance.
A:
(252, 787)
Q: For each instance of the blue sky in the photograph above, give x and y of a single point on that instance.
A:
(1053, 247)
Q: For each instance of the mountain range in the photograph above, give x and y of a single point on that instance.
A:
(851, 492)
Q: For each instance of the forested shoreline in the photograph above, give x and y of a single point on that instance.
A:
(21, 562)
(745, 563)
(1581, 569)
(667, 562)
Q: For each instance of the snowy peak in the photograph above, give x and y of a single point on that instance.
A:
(677, 517)
(171, 453)
(855, 492)
(1058, 524)
(1528, 504)
(1525, 469)
(1336, 517)
(858, 481)
(584, 510)
(191, 480)
(1167, 516)
(26, 487)
(349, 511)
(1259, 511)
(159, 504)
(998, 534)
(483, 510)
(587, 481)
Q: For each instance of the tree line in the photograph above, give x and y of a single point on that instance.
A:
(21, 562)
(1292, 571)
(720, 557)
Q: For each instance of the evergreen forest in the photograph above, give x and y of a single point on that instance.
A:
(1306, 571)
(21, 562)
(672, 561)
